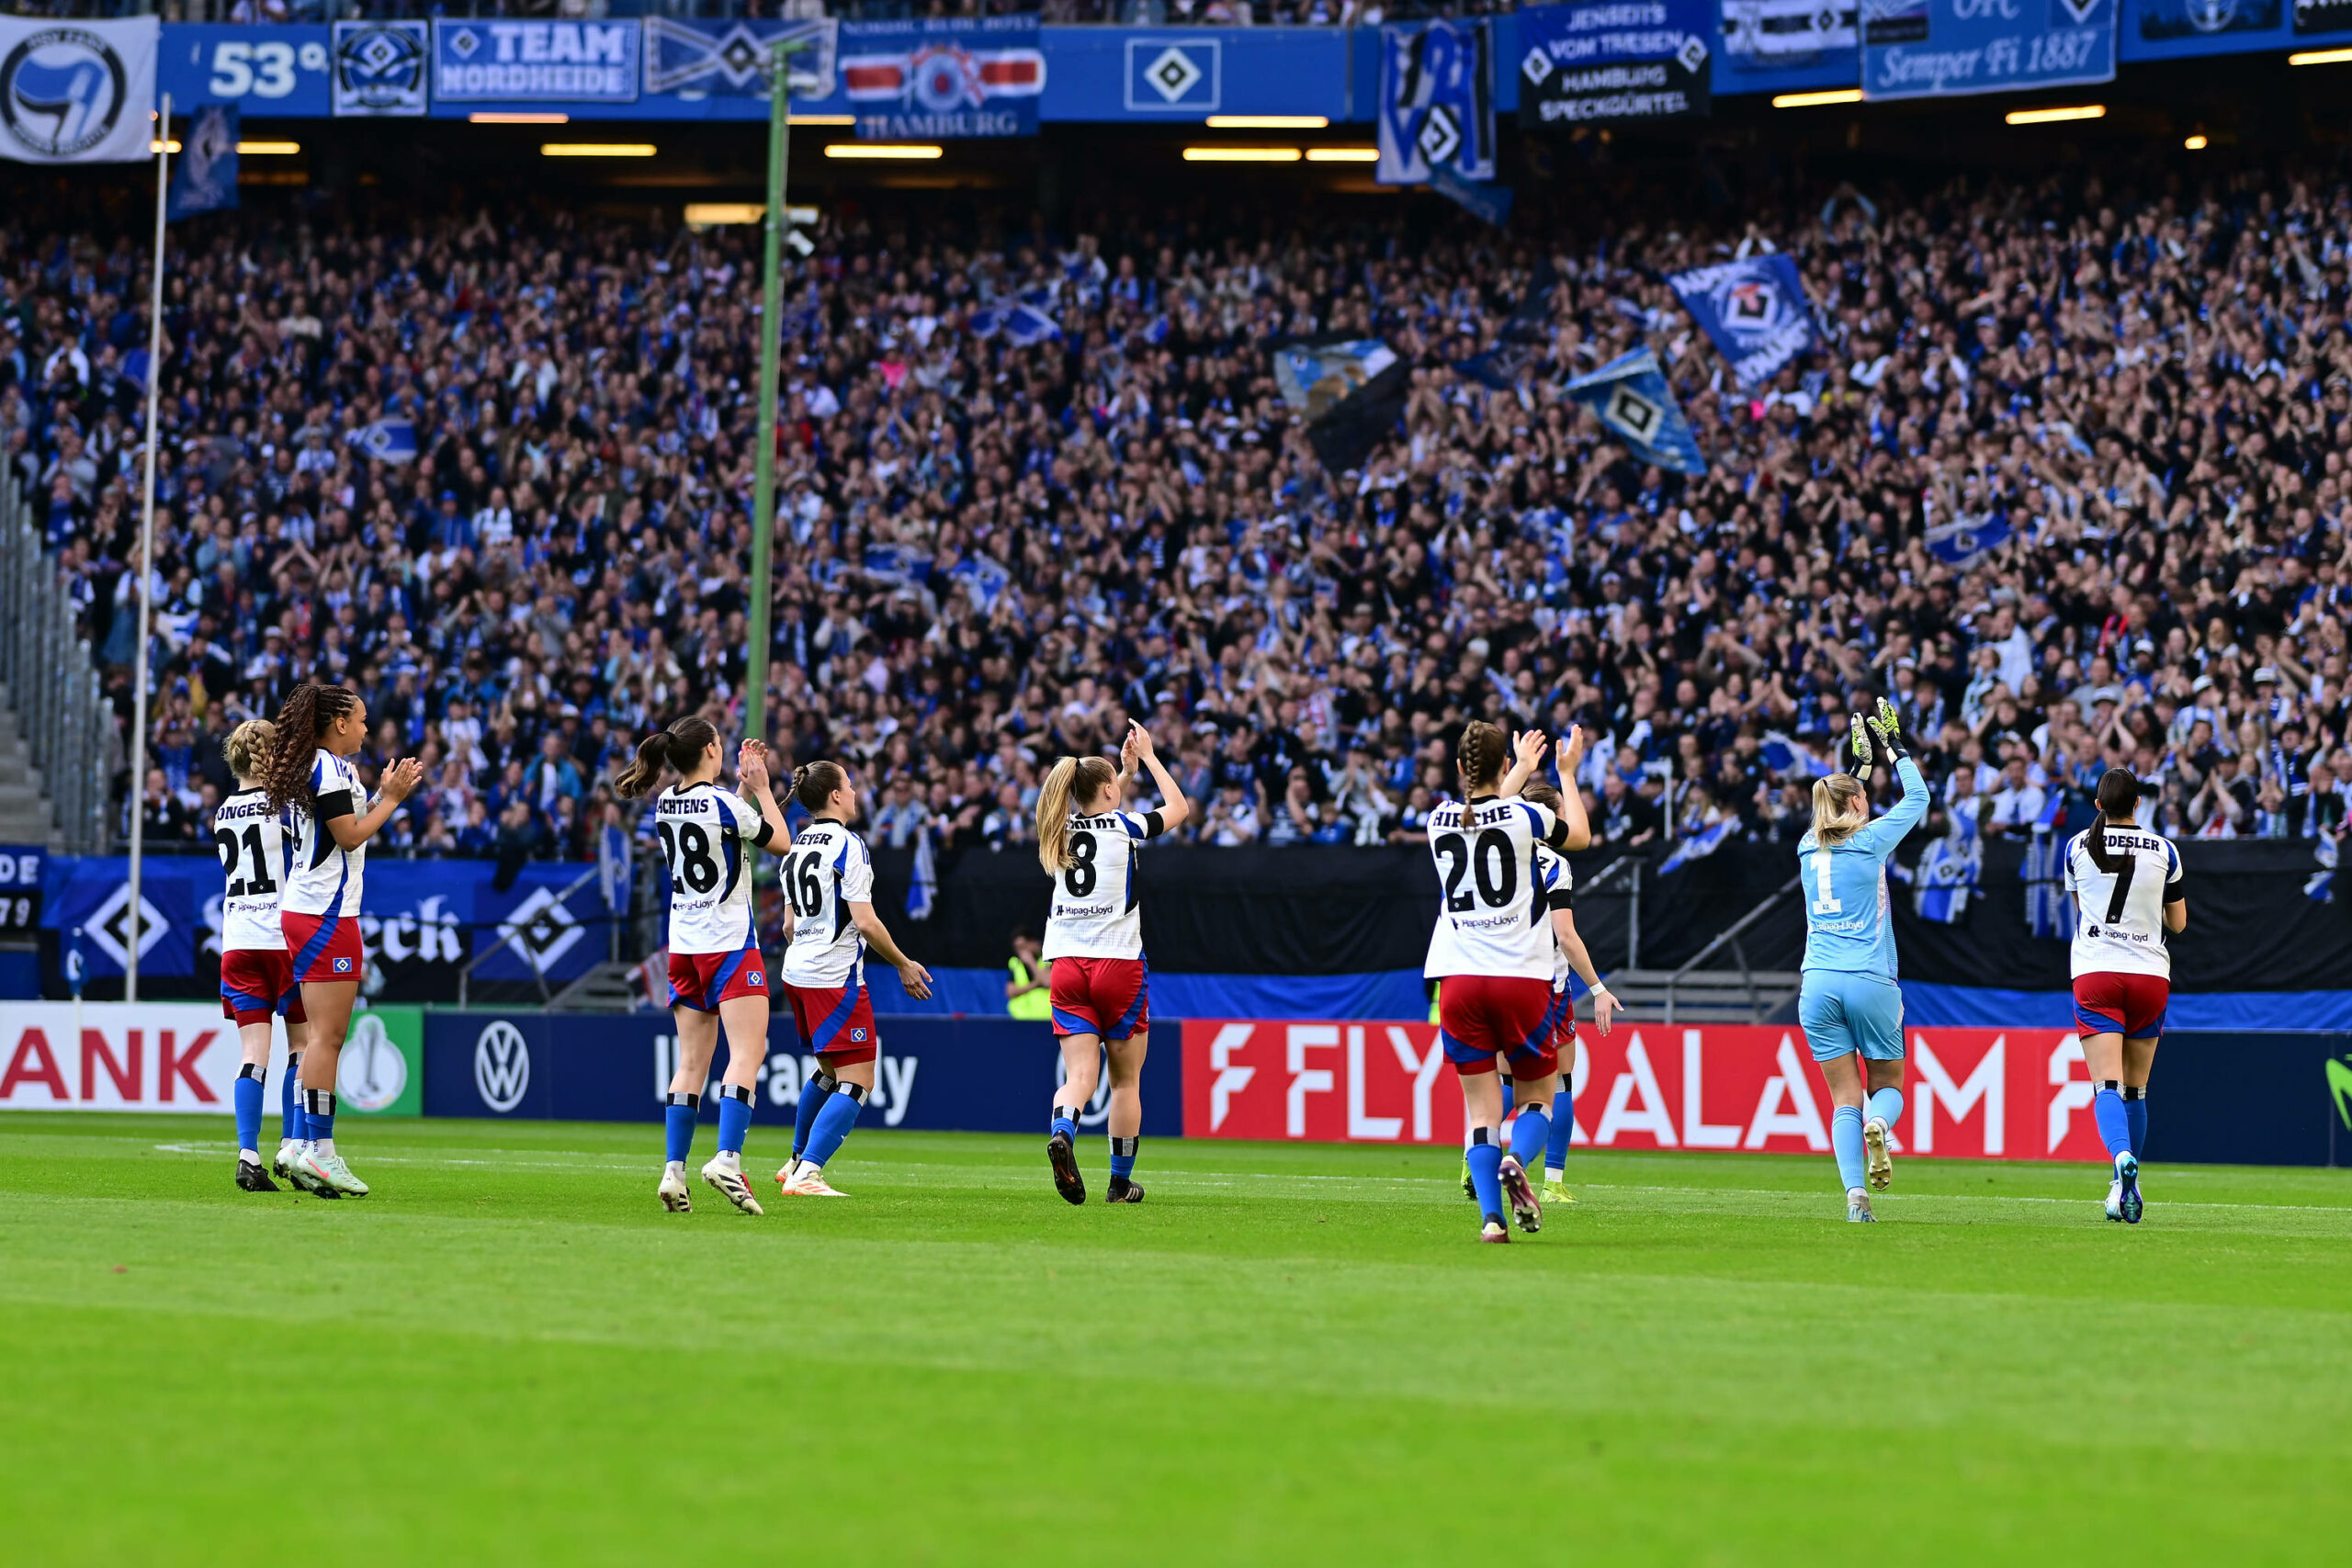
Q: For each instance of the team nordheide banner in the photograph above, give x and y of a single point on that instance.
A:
(944, 79)
(535, 62)
(1606, 61)
(1630, 396)
(1921, 49)
(1437, 102)
(77, 92)
(1753, 310)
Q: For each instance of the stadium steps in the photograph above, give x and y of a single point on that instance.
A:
(1705, 996)
(608, 988)
(25, 814)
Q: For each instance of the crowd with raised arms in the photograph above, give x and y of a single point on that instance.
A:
(996, 552)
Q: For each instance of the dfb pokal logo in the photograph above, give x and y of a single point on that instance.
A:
(62, 92)
(502, 1066)
(372, 1072)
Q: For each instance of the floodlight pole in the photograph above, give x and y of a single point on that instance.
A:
(146, 557)
(755, 657)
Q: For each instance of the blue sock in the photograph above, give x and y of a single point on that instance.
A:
(678, 1126)
(318, 1115)
(1886, 1105)
(248, 1097)
(1846, 1139)
(2135, 1116)
(1563, 1127)
(1511, 1097)
(734, 1117)
(1065, 1122)
(834, 1124)
(813, 1094)
(1486, 1158)
(289, 1099)
(1123, 1156)
(2114, 1121)
(1529, 1134)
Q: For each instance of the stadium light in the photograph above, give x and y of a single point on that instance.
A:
(824, 119)
(2196, 144)
(596, 149)
(1268, 122)
(706, 214)
(2050, 116)
(1818, 100)
(518, 119)
(899, 150)
(2322, 57)
(268, 148)
(1343, 154)
(1242, 154)
(171, 146)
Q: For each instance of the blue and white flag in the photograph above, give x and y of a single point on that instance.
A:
(1630, 396)
(388, 441)
(1706, 842)
(1026, 325)
(1948, 873)
(206, 180)
(1960, 542)
(925, 886)
(2049, 911)
(1437, 102)
(1483, 199)
(1754, 311)
(77, 92)
(2320, 886)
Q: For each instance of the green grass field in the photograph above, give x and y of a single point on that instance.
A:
(1288, 1354)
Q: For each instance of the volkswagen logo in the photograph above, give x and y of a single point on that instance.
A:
(502, 1066)
(61, 90)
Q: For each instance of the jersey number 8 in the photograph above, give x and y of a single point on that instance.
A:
(687, 848)
(1079, 877)
(1495, 874)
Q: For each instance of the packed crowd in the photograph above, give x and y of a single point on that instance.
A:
(995, 551)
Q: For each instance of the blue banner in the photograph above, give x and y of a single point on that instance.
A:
(535, 62)
(262, 70)
(729, 60)
(975, 1075)
(1610, 62)
(1918, 49)
(1753, 310)
(205, 178)
(1630, 396)
(379, 68)
(1437, 93)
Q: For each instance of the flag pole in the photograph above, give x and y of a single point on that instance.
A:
(755, 657)
(146, 554)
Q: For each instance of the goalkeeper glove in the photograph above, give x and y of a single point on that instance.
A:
(1887, 728)
(1859, 739)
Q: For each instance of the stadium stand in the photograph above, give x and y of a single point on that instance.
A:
(2133, 391)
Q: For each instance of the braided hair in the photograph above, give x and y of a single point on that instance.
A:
(310, 711)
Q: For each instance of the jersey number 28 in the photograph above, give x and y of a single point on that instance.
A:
(687, 848)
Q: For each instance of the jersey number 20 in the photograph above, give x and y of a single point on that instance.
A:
(1488, 862)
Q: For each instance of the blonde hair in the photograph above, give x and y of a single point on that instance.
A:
(1841, 808)
(248, 747)
(1083, 779)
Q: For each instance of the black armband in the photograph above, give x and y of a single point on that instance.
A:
(334, 804)
(766, 833)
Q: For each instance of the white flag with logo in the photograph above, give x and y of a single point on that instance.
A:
(77, 92)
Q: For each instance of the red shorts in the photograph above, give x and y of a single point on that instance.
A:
(1564, 1024)
(703, 980)
(2129, 1005)
(257, 982)
(1485, 1017)
(1107, 997)
(322, 948)
(836, 1022)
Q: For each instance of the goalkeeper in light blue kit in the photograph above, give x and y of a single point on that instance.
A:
(1849, 1007)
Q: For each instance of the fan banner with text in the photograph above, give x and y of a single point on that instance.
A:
(1918, 49)
(1971, 1093)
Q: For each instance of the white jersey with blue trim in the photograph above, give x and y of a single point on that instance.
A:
(1848, 919)
(1559, 884)
(2119, 915)
(707, 833)
(1094, 913)
(323, 877)
(827, 870)
(1494, 916)
(255, 858)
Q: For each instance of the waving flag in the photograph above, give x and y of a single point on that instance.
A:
(388, 441)
(1437, 102)
(924, 890)
(206, 178)
(1630, 396)
(1753, 309)
(1352, 391)
(1960, 542)
(1706, 842)
(1522, 337)
(1947, 873)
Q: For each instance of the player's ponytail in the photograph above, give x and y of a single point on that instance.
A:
(247, 750)
(679, 747)
(301, 723)
(2119, 802)
(1841, 808)
(1073, 781)
(1482, 755)
(813, 786)
(1540, 794)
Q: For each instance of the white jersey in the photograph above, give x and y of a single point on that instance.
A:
(254, 850)
(2119, 916)
(828, 870)
(1094, 913)
(705, 831)
(1558, 883)
(323, 878)
(1494, 916)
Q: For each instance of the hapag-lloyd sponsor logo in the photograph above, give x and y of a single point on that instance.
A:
(2017, 1094)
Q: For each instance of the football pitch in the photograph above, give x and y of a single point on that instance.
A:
(1289, 1353)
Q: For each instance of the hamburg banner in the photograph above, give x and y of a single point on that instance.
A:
(943, 79)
